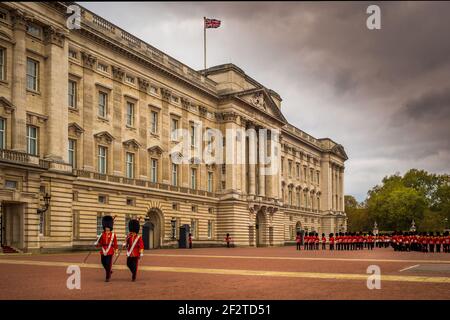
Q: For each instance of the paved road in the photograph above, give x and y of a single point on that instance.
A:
(235, 273)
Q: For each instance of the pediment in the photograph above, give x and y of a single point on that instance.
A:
(104, 136)
(155, 149)
(260, 99)
(6, 104)
(132, 143)
(75, 128)
(339, 151)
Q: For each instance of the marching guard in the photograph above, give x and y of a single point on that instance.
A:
(134, 247)
(108, 244)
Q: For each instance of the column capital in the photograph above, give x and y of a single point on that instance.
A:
(20, 19)
(54, 36)
(88, 59)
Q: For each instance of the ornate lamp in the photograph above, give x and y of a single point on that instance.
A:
(375, 228)
(413, 226)
(47, 198)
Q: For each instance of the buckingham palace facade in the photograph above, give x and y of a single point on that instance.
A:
(90, 117)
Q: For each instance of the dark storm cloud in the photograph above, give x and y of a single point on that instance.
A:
(383, 94)
(434, 104)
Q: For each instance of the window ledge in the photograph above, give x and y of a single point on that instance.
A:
(33, 92)
(100, 118)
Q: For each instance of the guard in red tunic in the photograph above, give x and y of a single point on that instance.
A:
(228, 240)
(324, 241)
(331, 238)
(298, 240)
(108, 244)
(190, 240)
(134, 247)
(446, 245)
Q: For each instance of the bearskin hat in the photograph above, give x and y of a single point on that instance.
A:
(134, 226)
(107, 222)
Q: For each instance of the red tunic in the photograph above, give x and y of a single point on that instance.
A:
(136, 252)
(105, 241)
(324, 240)
(332, 240)
(298, 239)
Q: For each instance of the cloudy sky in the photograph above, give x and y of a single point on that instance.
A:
(383, 94)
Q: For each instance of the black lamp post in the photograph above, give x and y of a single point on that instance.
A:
(47, 198)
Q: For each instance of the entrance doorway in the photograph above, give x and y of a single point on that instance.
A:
(152, 230)
(260, 229)
(11, 224)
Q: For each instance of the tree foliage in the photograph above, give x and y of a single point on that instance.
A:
(418, 195)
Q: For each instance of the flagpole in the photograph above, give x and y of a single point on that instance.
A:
(204, 42)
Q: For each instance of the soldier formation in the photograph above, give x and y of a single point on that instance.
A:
(108, 243)
(399, 241)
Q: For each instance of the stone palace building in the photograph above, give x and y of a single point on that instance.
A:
(87, 119)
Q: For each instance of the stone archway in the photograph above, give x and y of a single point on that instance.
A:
(153, 229)
(261, 229)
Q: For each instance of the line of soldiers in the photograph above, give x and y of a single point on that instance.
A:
(423, 241)
(108, 246)
(400, 241)
(338, 241)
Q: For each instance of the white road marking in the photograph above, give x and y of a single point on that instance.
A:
(407, 268)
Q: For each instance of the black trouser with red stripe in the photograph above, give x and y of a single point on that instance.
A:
(107, 264)
(132, 264)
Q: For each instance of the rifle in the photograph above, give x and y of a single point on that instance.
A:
(95, 244)
(120, 250)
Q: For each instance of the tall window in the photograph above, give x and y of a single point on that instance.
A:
(32, 74)
(173, 128)
(2, 64)
(32, 140)
(194, 228)
(282, 165)
(2, 133)
(72, 152)
(193, 134)
(193, 178)
(290, 168)
(41, 223)
(210, 227)
(130, 165)
(75, 224)
(210, 181)
(102, 104)
(72, 94)
(311, 174)
(127, 220)
(297, 196)
(130, 114)
(154, 122)
(174, 174)
(99, 224)
(102, 159)
(290, 197)
(318, 177)
(305, 175)
(154, 170)
(298, 170)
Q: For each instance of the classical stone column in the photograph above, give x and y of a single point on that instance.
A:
(251, 158)
(342, 189)
(56, 89)
(261, 170)
(90, 104)
(19, 94)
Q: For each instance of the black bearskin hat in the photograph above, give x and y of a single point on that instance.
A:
(134, 226)
(107, 222)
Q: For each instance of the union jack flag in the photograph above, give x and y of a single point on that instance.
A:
(212, 23)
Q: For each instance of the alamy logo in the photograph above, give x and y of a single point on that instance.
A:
(74, 20)
(74, 280)
(374, 20)
(374, 280)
